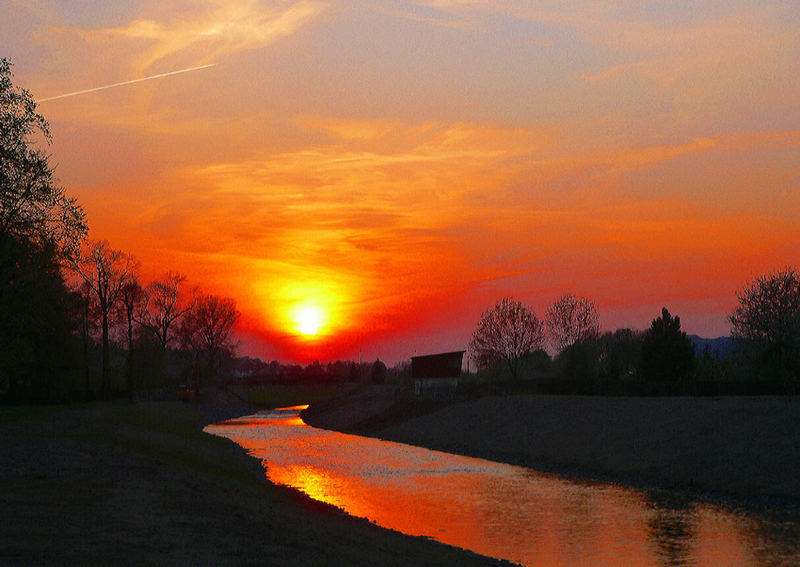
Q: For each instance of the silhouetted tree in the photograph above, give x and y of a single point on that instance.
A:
(619, 353)
(401, 371)
(106, 271)
(571, 320)
(207, 328)
(86, 318)
(505, 333)
(314, 372)
(539, 362)
(339, 370)
(667, 353)
(38, 315)
(711, 368)
(131, 297)
(32, 206)
(378, 372)
(162, 307)
(580, 361)
(39, 226)
(768, 318)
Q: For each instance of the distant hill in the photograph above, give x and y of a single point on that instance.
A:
(721, 346)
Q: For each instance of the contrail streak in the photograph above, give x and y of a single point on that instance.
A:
(127, 82)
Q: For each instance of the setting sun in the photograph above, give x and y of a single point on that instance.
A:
(642, 157)
(308, 320)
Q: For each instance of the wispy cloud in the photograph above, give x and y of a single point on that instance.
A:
(451, 194)
(221, 29)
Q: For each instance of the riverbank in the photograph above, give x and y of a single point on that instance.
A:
(141, 484)
(741, 449)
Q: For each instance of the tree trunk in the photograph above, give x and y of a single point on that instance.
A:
(512, 368)
(196, 368)
(106, 356)
(86, 343)
(129, 366)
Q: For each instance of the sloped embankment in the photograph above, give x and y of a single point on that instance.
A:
(746, 447)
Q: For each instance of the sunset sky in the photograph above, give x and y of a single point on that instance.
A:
(394, 168)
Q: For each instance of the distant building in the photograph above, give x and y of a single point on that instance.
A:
(436, 375)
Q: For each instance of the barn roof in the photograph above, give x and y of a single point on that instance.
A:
(442, 365)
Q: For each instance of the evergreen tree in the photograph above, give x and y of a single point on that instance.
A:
(667, 353)
(38, 351)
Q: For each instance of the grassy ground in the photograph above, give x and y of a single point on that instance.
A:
(123, 484)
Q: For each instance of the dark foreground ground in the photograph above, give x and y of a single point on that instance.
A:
(744, 450)
(141, 484)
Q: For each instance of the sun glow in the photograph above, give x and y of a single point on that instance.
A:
(308, 319)
(306, 311)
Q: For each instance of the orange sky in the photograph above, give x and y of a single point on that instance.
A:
(400, 166)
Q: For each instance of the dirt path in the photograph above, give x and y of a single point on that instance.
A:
(121, 484)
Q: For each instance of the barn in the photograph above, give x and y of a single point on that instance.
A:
(436, 375)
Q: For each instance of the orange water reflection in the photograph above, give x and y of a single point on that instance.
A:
(501, 510)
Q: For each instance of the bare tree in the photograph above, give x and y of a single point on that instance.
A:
(131, 297)
(505, 333)
(162, 307)
(106, 272)
(768, 317)
(86, 303)
(571, 320)
(207, 328)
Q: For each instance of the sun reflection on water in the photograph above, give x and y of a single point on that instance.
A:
(495, 509)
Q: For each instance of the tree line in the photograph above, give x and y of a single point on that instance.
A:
(70, 305)
(255, 372)
(158, 318)
(510, 341)
(73, 310)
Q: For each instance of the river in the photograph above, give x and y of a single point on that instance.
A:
(506, 511)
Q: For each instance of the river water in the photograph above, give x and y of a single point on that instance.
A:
(506, 511)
